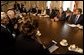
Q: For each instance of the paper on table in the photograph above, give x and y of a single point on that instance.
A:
(34, 14)
(53, 48)
(80, 27)
(54, 42)
(42, 14)
(46, 16)
(72, 25)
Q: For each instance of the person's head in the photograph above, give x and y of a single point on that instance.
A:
(11, 13)
(28, 28)
(24, 14)
(4, 18)
(68, 11)
(78, 11)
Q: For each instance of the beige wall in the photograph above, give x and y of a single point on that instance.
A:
(40, 4)
(27, 4)
(56, 4)
(80, 5)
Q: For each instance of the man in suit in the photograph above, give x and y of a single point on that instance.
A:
(16, 6)
(66, 15)
(51, 12)
(6, 38)
(77, 18)
(23, 8)
(47, 11)
(12, 21)
(34, 10)
(26, 43)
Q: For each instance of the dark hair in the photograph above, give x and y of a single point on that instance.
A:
(79, 9)
(68, 11)
(30, 26)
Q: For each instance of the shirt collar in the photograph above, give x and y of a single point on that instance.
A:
(3, 25)
(78, 15)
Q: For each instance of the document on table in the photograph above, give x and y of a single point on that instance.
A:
(72, 25)
(78, 25)
(53, 48)
(46, 16)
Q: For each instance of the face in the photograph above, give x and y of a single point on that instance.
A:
(3, 15)
(5, 21)
(11, 14)
(77, 12)
(4, 18)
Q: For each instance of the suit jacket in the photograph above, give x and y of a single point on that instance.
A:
(6, 38)
(64, 17)
(52, 14)
(48, 11)
(11, 24)
(28, 46)
(39, 11)
(17, 6)
(33, 10)
(79, 21)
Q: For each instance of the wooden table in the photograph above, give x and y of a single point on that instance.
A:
(58, 31)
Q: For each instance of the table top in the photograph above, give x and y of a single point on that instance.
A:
(58, 31)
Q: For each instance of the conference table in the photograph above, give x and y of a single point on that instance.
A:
(57, 31)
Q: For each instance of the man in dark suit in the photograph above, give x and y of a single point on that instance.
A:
(66, 15)
(23, 8)
(51, 12)
(34, 10)
(26, 43)
(16, 6)
(6, 38)
(13, 20)
(77, 18)
(48, 11)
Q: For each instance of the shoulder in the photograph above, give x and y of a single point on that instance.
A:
(82, 15)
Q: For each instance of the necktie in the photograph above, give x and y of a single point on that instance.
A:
(76, 19)
(8, 30)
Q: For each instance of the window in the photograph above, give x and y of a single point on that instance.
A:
(68, 4)
(48, 4)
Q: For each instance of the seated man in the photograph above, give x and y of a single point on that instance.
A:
(66, 15)
(77, 18)
(53, 13)
(34, 10)
(26, 43)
